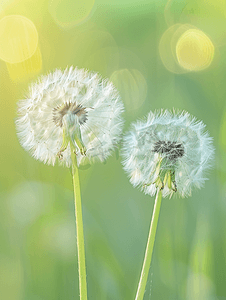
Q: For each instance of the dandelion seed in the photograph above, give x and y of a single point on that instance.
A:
(168, 150)
(73, 116)
(72, 105)
(167, 153)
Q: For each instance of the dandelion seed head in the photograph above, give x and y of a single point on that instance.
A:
(167, 148)
(74, 102)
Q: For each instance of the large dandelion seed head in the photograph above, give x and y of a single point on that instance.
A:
(167, 150)
(74, 105)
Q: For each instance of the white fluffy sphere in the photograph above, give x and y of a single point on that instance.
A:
(174, 141)
(63, 100)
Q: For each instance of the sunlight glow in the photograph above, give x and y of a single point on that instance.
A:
(18, 38)
(194, 50)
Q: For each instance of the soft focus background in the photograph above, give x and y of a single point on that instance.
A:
(159, 54)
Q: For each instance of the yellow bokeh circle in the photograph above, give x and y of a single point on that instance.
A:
(194, 50)
(18, 38)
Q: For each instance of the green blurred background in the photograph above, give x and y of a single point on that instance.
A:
(120, 39)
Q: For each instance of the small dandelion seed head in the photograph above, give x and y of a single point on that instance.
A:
(167, 143)
(70, 100)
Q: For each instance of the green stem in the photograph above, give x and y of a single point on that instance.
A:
(79, 227)
(149, 249)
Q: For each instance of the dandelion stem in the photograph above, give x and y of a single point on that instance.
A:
(79, 227)
(149, 248)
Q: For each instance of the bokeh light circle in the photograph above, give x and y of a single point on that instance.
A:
(194, 50)
(167, 48)
(69, 13)
(18, 38)
(132, 87)
(184, 48)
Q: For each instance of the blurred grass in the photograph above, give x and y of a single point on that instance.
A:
(37, 232)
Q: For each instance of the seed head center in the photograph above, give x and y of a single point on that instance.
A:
(69, 108)
(172, 150)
